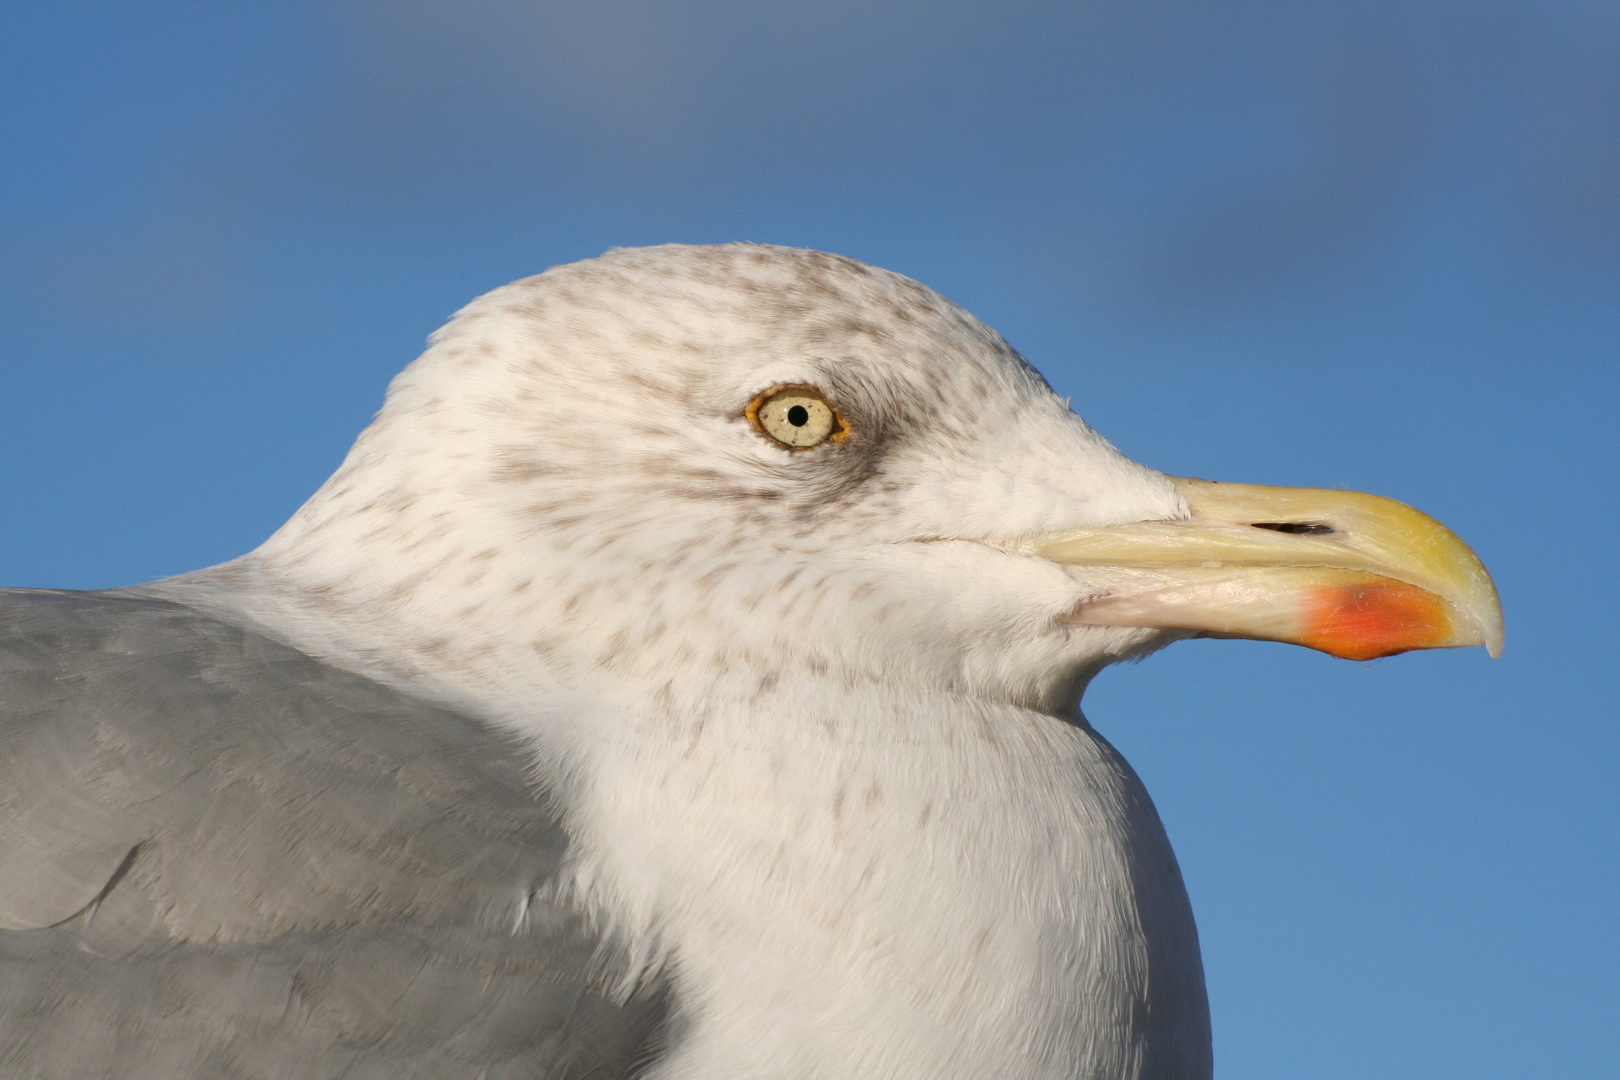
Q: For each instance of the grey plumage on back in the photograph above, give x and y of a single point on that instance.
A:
(220, 857)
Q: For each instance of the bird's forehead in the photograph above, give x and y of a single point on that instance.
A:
(699, 320)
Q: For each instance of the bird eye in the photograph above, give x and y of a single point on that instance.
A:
(796, 416)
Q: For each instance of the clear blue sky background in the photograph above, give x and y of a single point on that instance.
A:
(1369, 245)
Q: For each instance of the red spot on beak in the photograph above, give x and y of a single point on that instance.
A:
(1364, 622)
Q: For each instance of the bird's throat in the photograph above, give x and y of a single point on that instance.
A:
(991, 882)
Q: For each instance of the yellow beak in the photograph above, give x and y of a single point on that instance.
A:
(1357, 576)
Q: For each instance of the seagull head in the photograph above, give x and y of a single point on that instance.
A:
(743, 464)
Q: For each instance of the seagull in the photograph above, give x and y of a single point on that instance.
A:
(680, 678)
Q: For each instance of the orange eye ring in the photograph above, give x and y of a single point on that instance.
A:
(796, 416)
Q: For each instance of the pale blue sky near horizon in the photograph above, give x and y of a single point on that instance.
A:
(1364, 245)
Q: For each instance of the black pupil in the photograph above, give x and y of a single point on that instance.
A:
(798, 416)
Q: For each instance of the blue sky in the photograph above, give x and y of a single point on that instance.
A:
(1367, 245)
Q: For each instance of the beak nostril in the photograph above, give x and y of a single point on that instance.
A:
(1301, 528)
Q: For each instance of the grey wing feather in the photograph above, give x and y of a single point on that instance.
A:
(220, 857)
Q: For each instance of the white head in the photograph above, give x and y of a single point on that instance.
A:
(572, 478)
(569, 475)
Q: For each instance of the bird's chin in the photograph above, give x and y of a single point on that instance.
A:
(1127, 644)
(1055, 681)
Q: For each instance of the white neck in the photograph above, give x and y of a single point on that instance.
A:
(940, 888)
